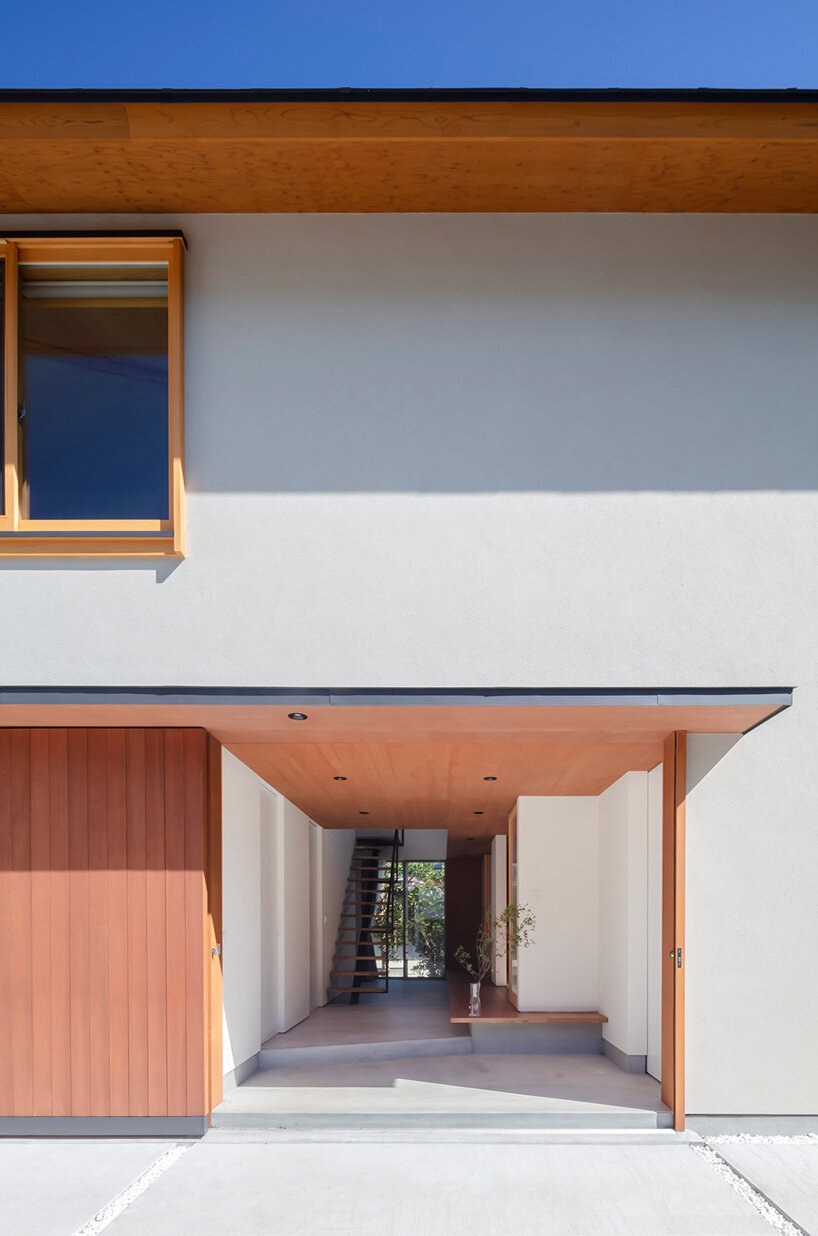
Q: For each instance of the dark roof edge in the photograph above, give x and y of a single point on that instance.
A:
(777, 697)
(454, 94)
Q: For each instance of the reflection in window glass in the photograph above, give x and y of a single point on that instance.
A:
(94, 391)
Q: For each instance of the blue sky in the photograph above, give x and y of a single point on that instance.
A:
(315, 43)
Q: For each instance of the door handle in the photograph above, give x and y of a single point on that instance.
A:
(217, 951)
(677, 953)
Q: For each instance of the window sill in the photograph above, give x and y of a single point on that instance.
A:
(84, 546)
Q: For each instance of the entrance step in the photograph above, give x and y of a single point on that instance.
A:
(361, 1053)
(405, 1094)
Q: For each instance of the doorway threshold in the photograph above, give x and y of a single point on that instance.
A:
(448, 1092)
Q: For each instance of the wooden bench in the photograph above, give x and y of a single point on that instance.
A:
(497, 1008)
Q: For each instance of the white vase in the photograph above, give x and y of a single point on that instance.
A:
(474, 999)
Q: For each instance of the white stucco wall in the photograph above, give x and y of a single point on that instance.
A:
(508, 450)
(558, 878)
(623, 913)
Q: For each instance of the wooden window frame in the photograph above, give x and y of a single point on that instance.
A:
(94, 538)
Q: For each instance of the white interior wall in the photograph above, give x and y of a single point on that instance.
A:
(318, 994)
(499, 901)
(623, 912)
(336, 853)
(267, 908)
(419, 844)
(297, 967)
(654, 942)
(271, 926)
(558, 878)
(241, 912)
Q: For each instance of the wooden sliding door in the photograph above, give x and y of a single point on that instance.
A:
(107, 983)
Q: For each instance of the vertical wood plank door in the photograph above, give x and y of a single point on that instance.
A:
(106, 922)
(674, 777)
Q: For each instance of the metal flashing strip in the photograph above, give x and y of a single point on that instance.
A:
(347, 94)
(93, 233)
(367, 697)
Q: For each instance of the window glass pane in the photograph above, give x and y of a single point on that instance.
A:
(94, 391)
(424, 931)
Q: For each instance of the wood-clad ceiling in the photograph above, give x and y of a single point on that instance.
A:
(149, 154)
(423, 765)
(436, 784)
(235, 724)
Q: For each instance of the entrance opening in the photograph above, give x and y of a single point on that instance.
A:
(366, 998)
(418, 933)
(250, 826)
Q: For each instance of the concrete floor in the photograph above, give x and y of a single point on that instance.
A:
(396, 1060)
(410, 1010)
(452, 1091)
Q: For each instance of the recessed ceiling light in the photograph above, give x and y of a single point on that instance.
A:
(339, 778)
(479, 813)
(297, 716)
(489, 778)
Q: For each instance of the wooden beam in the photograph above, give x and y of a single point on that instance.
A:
(452, 155)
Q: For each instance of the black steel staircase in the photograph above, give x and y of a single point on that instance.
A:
(361, 958)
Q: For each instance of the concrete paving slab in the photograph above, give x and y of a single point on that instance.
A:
(787, 1175)
(403, 1190)
(52, 1188)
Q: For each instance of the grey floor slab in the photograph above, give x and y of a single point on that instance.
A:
(410, 1010)
(440, 1190)
(786, 1174)
(568, 1088)
(52, 1188)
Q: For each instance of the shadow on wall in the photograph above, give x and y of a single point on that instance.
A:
(704, 752)
(482, 353)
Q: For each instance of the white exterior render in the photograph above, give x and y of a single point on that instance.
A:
(520, 451)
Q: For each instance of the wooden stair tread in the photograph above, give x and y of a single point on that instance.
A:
(362, 991)
(358, 974)
(354, 957)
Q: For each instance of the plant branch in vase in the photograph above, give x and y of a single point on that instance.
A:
(514, 929)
